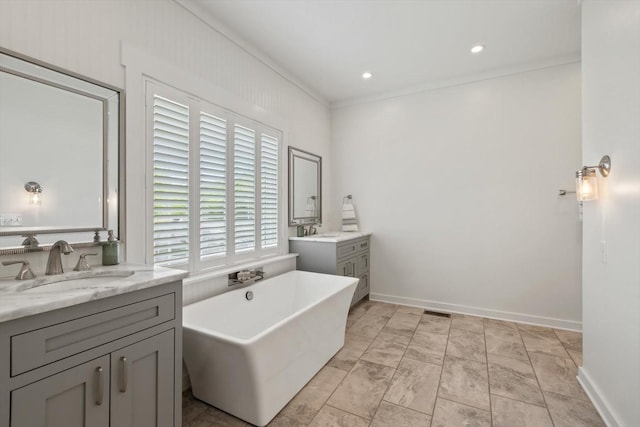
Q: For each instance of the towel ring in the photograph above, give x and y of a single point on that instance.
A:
(348, 196)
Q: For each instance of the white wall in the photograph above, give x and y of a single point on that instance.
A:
(85, 37)
(611, 290)
(459, 187)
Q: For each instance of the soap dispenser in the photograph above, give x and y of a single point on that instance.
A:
(111, 250)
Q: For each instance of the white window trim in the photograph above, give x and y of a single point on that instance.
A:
(139, 67)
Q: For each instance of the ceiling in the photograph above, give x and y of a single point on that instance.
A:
(327, 44)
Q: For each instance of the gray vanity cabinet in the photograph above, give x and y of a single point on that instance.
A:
(114, 362)
(344, 258)
(76, 397)
(140, 397)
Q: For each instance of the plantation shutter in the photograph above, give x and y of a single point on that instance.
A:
(213, 187)
(244, 173)
(170, 182)
(269, 191)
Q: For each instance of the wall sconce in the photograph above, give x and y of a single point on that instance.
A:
(587, 180)
(35, 192)
(310, 208)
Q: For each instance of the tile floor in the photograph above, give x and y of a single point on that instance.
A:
(402, 368)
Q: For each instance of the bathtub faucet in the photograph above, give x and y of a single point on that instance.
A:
(245, 277)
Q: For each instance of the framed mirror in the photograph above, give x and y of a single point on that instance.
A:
(305, 187)
(60, 139)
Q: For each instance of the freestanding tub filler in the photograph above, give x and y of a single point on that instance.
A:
(249, 351)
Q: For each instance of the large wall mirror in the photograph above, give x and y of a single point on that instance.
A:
(60, 139)
(305, 187)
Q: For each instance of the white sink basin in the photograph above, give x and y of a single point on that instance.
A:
(323, 236)
(69, 281)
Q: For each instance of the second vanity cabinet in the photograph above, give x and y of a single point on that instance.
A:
(110, 362)
(344, 256)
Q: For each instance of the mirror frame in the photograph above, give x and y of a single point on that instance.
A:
(113, 137)
(297, 153)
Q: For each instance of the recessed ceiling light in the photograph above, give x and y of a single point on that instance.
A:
(366, 75)
(477, 48)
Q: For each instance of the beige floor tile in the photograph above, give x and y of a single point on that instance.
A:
(369, 325)
(411, 310)
(214, 417)
(351, 321)
(512, 413)
(465, 381)
(282, 421)
(360, 308)
(576, 356)
(569, 412)
(382, 309)
(354, 347)
(501, 324)
(306, 404)
(387, 349)
(400, 367)
(191, 408)
(333, 417)
(362, 390)
(435, 324)
(514, 378)
(543, 342)
(390, 415)
(427, 347)
(467, 345)
(505, 342)
(571, 340)
(468, 323)
(414, 385)
(448, 414)
(557, 375)
(402, 324)
(532, 328)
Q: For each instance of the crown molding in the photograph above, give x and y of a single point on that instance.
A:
(205, 15)
(458, 81)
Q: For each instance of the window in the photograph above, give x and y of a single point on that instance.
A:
(215, 183)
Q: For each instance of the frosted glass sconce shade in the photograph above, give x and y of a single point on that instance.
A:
(587, 179)
(586, 185)
(35, 192)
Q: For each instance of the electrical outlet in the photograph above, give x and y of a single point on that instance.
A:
(10, 220)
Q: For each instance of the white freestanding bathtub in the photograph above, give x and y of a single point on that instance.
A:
(250, 357)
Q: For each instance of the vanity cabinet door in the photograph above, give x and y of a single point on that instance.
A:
(77, 397)
(363, 285)
(347, 267)
(142, 389)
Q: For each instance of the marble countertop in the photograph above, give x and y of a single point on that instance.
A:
(21, 298)
(333, 236)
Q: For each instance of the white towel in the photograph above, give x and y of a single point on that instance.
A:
(348, 212)
(310, 209)
(349, 218)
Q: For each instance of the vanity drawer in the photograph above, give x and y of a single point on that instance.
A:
(362, 263)
(37, 348)
(350, 248)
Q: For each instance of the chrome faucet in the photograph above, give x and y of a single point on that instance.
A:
(312, 230)
(54, 263)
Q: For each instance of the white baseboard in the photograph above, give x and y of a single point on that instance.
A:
(598, 400)
(571, 325)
